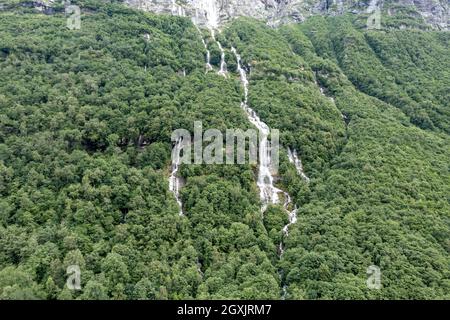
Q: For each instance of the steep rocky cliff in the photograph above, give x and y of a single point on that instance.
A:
(434, 12)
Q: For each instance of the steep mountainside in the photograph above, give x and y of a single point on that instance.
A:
(86, 118)
(435, 12)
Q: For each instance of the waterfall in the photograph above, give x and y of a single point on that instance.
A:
(208, 54)
(268, 192)
(208, 57)
(212, 16)
(293, 158)
(223, 65)
(211, 11)
(174, 180)
(178, 10)
(372, 6)
(212, 22)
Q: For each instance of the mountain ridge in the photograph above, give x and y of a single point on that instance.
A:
(276, 12)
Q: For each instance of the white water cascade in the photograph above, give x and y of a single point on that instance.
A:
(268, 192)
(208, 57)
(373, 5)
(212, 16)
(178, 10)
(223, 65)
(294, 159)
(174, 180)
(208, 54)
(209, 8)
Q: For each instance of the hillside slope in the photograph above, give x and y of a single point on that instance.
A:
(85, 125)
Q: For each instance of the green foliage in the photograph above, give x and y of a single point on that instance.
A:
(405, 68)
(85, 126)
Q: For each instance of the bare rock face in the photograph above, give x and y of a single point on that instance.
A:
(275, 12)
(435, 12)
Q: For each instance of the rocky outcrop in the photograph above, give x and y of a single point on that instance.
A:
(275, 12)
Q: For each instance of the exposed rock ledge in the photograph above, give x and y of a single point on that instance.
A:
(275, 12)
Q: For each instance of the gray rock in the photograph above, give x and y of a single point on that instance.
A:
(275, 12)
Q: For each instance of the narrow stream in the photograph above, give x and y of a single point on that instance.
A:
(208, 53)
(268, 192)
(223, 65)
(373, 5)
(294, 159)
(213, 20)
(212, 17)
(174, 180)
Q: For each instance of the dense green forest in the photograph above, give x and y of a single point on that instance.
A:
(86, 118)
